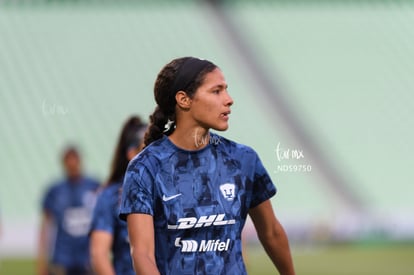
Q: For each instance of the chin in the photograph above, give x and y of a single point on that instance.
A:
(220, 127)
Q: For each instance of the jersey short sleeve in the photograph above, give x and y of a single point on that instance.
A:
(137, 191)
(47, 202)
(102, 215)
(263, 187)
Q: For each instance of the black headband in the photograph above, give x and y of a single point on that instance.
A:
(187, 72)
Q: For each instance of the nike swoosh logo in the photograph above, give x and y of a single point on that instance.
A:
(164, 198)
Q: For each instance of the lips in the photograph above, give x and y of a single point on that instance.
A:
(225, 115)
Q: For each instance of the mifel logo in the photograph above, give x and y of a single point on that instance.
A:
(204, 246)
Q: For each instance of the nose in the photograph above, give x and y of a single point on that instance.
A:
(228, 101)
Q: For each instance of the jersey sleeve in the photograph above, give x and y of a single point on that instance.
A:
(137, 192)
(103, 218)
(263, 187)
(47, 202)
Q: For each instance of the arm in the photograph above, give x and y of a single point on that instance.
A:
(273, 237)
(141, 238)
(43, 252)
(100, 248)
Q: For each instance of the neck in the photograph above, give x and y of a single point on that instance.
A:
(74, 178)
(190, 138)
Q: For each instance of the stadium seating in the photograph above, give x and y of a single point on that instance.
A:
(71, 72)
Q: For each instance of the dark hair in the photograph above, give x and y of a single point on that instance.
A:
(182, 74)
(131, 136)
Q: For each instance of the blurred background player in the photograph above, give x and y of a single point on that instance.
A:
(109, 234)
(66, 216)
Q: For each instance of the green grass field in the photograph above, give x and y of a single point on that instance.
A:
(341, 260)
(326, 260)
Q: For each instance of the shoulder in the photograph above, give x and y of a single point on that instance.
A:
(231, 147)
(109, 194)
(55, 186)
(152, 155)
(53, 192)
(111, 190)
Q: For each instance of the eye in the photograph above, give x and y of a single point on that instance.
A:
(216, 91)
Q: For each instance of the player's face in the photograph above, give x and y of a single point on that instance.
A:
(210, 106)
(72, 165)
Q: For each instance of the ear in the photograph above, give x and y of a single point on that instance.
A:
(183, 100)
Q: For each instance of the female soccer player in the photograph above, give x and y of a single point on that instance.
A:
(67, 212)
(109, 235)
(186, 196)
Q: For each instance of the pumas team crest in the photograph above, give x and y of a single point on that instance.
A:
(228, 190)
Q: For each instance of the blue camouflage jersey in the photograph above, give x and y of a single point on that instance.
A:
(105, 218)
(71, 205)
(199, 201)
